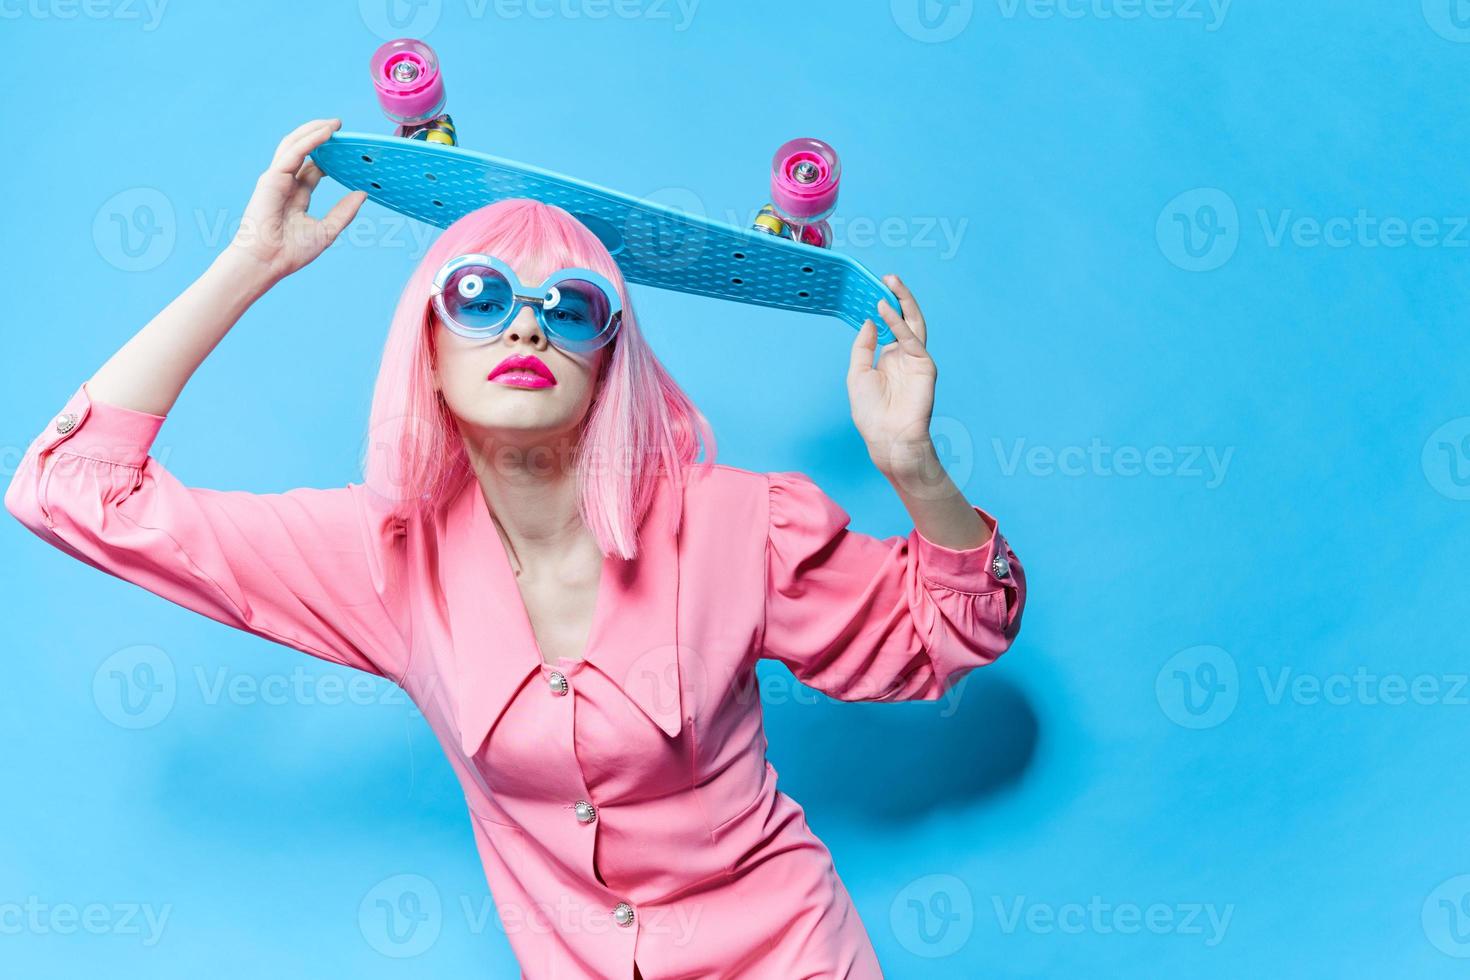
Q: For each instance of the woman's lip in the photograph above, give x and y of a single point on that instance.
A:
(526, 365)
(522, 378)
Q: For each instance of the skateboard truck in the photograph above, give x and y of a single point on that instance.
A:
(421, 171)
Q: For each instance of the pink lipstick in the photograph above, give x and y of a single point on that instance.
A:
(522, 371)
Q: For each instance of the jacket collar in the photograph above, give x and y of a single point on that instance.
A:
(634, 634)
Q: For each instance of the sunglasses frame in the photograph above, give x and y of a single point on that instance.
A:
(522, 295)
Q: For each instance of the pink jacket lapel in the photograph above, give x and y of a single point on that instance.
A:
(634, 635)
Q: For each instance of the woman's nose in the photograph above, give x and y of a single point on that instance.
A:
(525, 327)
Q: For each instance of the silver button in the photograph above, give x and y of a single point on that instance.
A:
(586, 812)
(624, 914)
(559, 684)
(66, 422)
(1001, 567)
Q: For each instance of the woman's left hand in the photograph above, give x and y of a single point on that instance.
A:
(892, 402)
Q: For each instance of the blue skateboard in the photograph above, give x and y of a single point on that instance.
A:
(653, 244)
(782, 261)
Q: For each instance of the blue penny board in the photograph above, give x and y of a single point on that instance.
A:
(653, 244)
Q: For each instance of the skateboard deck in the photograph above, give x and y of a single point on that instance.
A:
(653, 244)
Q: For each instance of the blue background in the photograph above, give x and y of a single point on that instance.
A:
(1088, 204)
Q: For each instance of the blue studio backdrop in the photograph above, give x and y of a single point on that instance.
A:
(1195, 278)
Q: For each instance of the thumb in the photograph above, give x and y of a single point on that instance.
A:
(341, 215)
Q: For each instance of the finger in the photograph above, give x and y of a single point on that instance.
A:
(298, 150)
(301, 130)
(306, 180)
(902, 335)
(310, 174)
(341, 215)
(294, 148)
(292, 137)
(910, 306)
(862, 349)
(292, 152)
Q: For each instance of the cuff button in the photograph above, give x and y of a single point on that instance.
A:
(65, 422)
(1000, 567)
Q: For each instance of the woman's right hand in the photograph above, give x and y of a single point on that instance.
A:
(275, 229)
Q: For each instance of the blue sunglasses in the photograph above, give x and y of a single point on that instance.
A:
(477, 296)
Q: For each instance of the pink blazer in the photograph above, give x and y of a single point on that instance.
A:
(622, 803)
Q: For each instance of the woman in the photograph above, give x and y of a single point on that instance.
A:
(575, 604)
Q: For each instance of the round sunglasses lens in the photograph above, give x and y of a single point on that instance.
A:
(477, 297)
(576, 310)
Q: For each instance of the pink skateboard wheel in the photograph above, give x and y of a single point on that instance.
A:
(407, 80)
(805, 173)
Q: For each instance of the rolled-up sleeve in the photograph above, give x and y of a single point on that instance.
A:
(306, 568)
(868, 619)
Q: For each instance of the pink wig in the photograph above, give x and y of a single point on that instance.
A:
(640, 425)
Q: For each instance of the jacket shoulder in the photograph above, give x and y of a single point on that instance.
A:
(726, 496)
(722, 484)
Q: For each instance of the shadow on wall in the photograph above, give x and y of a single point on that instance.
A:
(894, 762)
